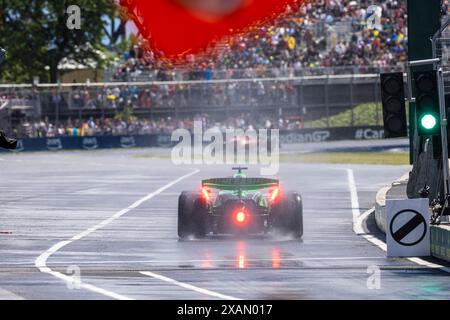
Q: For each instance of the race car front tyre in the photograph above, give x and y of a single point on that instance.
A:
(191, 216)
(288, 214)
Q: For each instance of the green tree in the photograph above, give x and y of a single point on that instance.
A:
(36, 36)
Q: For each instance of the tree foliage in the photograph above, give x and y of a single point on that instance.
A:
(36, 36)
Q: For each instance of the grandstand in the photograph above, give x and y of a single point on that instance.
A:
(322, 34)
(309, 65)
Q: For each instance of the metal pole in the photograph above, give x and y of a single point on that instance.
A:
(327, 107)
(409, 80)
(58, 101)
(10, 129)
(352, 105)
(443, 113)
(302, 103)
(417, 63)
(377, 101)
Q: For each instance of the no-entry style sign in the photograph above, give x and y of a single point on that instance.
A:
(407, 233)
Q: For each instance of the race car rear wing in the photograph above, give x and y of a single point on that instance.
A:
(231, 184)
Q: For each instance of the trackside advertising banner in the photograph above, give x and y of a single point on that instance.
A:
(331, 134)
(164, 140)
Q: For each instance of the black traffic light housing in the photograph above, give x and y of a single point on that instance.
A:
(393, 101)
(427, 103)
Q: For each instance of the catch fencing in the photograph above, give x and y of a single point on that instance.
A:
(306, 98)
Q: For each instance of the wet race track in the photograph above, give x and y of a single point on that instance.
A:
(109, 218)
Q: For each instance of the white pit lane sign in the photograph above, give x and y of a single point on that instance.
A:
(408, 230)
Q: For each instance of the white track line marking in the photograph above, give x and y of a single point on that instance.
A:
(358, 220)
(358, 223)
(382, 245)
(188, 286)
(41, 261)
(354, 200)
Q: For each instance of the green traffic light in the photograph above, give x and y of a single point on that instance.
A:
(428, 122)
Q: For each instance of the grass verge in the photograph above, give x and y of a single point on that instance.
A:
(374, 158)
(382, 158)
(367, 114)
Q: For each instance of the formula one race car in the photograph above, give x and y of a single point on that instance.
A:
(239, 205)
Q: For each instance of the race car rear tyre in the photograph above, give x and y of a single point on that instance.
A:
(191, 216)
(288, 214)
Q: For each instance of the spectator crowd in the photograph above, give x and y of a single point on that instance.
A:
(321, 34)
(134, 126)
(248, 93)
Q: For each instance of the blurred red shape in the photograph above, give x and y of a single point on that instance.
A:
(176, 28)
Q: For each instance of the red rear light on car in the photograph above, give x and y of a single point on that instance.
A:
(240, 217)
(206, 194)
(274, 195)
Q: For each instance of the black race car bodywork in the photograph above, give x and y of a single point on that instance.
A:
(239, 205)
